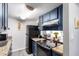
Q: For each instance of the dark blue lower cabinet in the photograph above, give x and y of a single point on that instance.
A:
(42, 51)
(38, 50)
(34, 48)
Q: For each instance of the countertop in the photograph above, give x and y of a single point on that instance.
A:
(4, 50)
(37, 39)
(58, 49)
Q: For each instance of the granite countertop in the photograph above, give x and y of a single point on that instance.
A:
(58, 49)
(4, 50)
(37, 39)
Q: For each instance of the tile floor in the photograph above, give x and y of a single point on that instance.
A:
(21, 53)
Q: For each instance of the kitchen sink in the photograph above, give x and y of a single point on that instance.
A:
(46, 44)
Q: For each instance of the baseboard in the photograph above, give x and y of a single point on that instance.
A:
(18, 49)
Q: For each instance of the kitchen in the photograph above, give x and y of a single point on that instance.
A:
(36, 28)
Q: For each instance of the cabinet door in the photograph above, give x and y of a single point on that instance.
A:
(40, 22)
(0, 16)
(60, 14)
(34, 48)
(3, 16)
(46, 17)
(41, 51)
(6, 16)
(53, 14)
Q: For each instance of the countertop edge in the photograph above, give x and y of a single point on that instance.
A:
(5, 49)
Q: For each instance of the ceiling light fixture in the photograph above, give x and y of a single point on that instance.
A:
(28, 11)
(25, 15)
(29, 7)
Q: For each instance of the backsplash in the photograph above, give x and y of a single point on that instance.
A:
(50, 34)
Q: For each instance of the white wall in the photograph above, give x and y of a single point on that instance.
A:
(73, 33)
(66, 28)
(18, 36)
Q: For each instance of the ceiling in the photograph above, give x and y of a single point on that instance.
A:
(19, 10)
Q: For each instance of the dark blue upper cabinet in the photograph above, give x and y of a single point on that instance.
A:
(50, 15)
(6, 16)
(3, 16)
(60, 17)
(46, 17)
(53, 14)
(0, 16)
(40, 22)
(40, 19)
